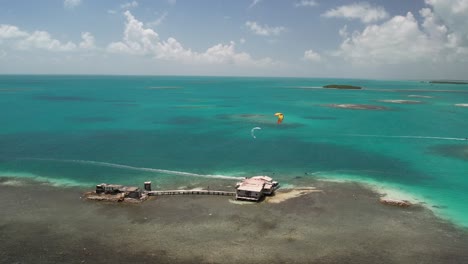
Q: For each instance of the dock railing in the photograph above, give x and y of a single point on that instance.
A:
(190, 192)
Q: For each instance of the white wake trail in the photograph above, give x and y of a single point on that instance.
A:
(417, 137)
(128, 167)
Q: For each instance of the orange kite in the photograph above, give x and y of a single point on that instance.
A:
(280, 117)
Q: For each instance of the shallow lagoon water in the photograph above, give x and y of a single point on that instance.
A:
(83, 130)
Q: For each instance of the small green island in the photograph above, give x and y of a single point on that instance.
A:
(448, 82)
(342, 86)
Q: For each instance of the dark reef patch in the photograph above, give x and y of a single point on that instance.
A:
(163, 87)
(193, 106)
(125, 104)
(64, 98)
(182, 120)
(92, 119)
(320, 117)
(119, 101)
(11, 90)
(452, 151)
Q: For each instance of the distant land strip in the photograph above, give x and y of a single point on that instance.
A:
(448, 82)
(342, 86)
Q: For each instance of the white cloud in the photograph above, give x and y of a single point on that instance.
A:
(401, 40)
(88, 41)
(343, 32)
(9, 32)
(363, 11)
(129, 5)
(312, 56)
(158, 21)
(139, 40)
(396, 41)
(70, 4)
(172, 2)
(242, 40)
(447, 23)
(43, 40)
(112, 12)
(435, 46)
(453, 14)
(431, 24)
(254, 3)
(452, 6)
(264, 30)
(308, 3)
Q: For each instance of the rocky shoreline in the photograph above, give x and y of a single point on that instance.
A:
(330, 223)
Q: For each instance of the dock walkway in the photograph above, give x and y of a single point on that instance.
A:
(190, 192)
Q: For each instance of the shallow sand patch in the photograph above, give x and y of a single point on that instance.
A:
(358, 106)
(259, 119)
(420, 96)
(284, 195)
(14, 183)
(401, 101)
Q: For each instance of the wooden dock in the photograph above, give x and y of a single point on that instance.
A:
(190, 192)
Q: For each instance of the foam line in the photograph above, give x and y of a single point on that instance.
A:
(418, 137)
(127, 167)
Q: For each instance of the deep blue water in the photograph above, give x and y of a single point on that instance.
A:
(84, 130)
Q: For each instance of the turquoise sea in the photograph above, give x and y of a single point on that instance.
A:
(172, 130)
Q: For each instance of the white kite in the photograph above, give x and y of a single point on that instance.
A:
(252, 132)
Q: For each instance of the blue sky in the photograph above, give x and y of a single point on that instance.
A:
(398, 39)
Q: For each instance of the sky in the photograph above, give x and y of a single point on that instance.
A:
(375, 39)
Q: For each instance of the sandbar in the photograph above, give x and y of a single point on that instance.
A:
(358, 106)
(401, 101)
(286, 194)
(419, 96)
